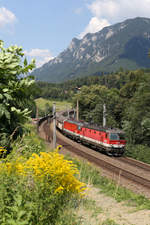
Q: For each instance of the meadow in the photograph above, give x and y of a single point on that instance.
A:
(60, 105)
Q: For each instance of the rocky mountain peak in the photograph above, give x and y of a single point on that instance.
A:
(124, 44)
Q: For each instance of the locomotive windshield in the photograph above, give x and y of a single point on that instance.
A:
(121, 136)
(116, 136)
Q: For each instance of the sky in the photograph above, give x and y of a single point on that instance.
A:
(45, 28)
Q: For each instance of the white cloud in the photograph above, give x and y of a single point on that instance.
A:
(117, 10)
(41, 56)
(105, 12)
(104, 8)
(6, 17)
(94, 25)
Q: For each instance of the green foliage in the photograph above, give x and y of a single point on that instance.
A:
(26, 145)
(15, 92)
(44, 111)
(45, 106)
(91, 101)
(138, 152)
(25, 200)
(29, 202)
(137, 113)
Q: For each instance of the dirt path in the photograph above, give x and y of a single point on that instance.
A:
(105, 210)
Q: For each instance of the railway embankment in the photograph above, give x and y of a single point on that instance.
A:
(132, 174)
(106, 202)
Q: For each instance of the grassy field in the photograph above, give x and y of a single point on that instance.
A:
(60, 105)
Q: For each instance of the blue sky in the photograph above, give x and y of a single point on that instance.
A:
(44, 28)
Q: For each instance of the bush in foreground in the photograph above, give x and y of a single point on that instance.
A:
(37, 189)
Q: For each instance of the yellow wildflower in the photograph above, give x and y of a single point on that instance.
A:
(2, 149)
(50, 168)
(59, 147)
(59, 189)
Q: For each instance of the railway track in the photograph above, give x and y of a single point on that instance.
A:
(136, 163)
(133, 171)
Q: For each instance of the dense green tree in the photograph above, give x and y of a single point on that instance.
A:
(15, 92)
(137, 115)
(91, 102)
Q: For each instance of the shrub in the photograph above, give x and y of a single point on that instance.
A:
(36, 188)
(139, 152)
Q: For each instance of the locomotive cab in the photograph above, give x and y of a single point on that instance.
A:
(116, 136)
(117, 141)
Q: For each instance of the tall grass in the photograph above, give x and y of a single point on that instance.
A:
(91, 175)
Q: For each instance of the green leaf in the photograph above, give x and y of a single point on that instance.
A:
(25, 62)
(8, 96)
(5, 90)
(12, 66)
(7, 114)
(13, 109)
(21, 213)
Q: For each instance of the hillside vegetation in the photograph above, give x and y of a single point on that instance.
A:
(126, 95)
(45, 106)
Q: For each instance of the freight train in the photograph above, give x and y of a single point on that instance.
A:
(111, 141)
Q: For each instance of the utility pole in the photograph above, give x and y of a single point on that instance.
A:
(77, 109)
(37, 112)
(54, 125)
(74, 113)
(104, 115)
(68, 114)
(67, 109)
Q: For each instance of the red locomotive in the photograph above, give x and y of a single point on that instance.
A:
(109, 140)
